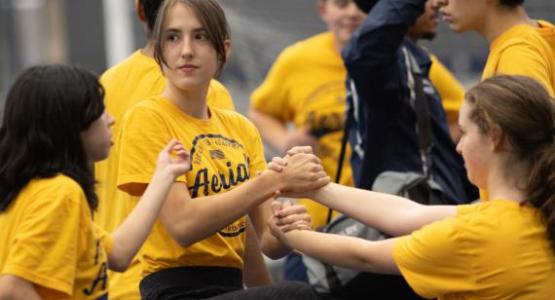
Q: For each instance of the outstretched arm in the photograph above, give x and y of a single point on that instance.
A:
(344, 251)
(132, 233)
(389, 213)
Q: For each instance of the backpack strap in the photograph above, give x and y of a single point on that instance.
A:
(419, 104)
(341, 160)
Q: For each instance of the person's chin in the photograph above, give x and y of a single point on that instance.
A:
(429, 35)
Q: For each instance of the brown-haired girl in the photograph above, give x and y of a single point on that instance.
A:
(196, 248)
(498, 249)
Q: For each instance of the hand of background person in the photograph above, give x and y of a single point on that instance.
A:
(298, 137)
(173, 160)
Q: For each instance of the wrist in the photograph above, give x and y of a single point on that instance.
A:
(270, 182)
(163, 175)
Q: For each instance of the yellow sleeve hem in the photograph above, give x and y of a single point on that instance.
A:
(397, 254)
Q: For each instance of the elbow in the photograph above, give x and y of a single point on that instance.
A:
(118, 267)
(181, 235)
(274, 250)
(183, 241)
(118, 264)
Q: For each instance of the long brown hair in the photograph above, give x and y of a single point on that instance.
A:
(525, 112)
(212, 18)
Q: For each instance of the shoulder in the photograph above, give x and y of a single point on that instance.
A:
(233, 118)
(54, 191)
(148, 108)
(306, 48)
(123, 68)
(520, 37)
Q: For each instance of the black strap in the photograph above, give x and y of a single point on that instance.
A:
(341, 160)
(420, 105)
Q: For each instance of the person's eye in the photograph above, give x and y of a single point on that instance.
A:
(172, 37)
(201, 36)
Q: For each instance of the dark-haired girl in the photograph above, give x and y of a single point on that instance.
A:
(54, 129)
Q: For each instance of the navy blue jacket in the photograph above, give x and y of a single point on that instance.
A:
(382, 130)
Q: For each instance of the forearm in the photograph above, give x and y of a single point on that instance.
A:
(131, 234)
(388, 213)
(196, 219)
(272, 130)
(345, 251)
(15, 288)
(380, 36)
(272, 247)
(255, 272)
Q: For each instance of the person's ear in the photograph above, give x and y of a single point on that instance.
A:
(321, 8)
(497, 138)
(140, 11)
(227, 48)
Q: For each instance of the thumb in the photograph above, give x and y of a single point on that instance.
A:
(276, 207)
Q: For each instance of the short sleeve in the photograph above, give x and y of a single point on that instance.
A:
(272, 96)
(44, 250)
(142, 136)
(433, 260)
(527, 60)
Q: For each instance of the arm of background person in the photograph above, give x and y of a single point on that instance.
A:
(371, 57)
(16, 288)
(276, 133)
(451, 92)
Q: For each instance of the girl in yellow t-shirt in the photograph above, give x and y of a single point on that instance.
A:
(196, 248)
(54, 129)
(518, 45)
(499, 249)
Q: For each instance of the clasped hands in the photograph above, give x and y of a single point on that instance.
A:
(309, 176)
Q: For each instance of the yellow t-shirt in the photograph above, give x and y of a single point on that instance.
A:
(136, 78)
(547, 31)
(522, 50)
(490, 250)
(449, 88)
(226, 150)
(306, 86)
(47, 237)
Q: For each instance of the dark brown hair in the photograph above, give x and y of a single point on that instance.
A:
(511, 3)
(525, 112)
(46, 110)
(210, 15)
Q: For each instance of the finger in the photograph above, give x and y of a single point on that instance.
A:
(322, 181)
(276, 207)
(275, 167)
(291, 219)
(279, 160)
(293, 209)
(299, 150)
(170, 145)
